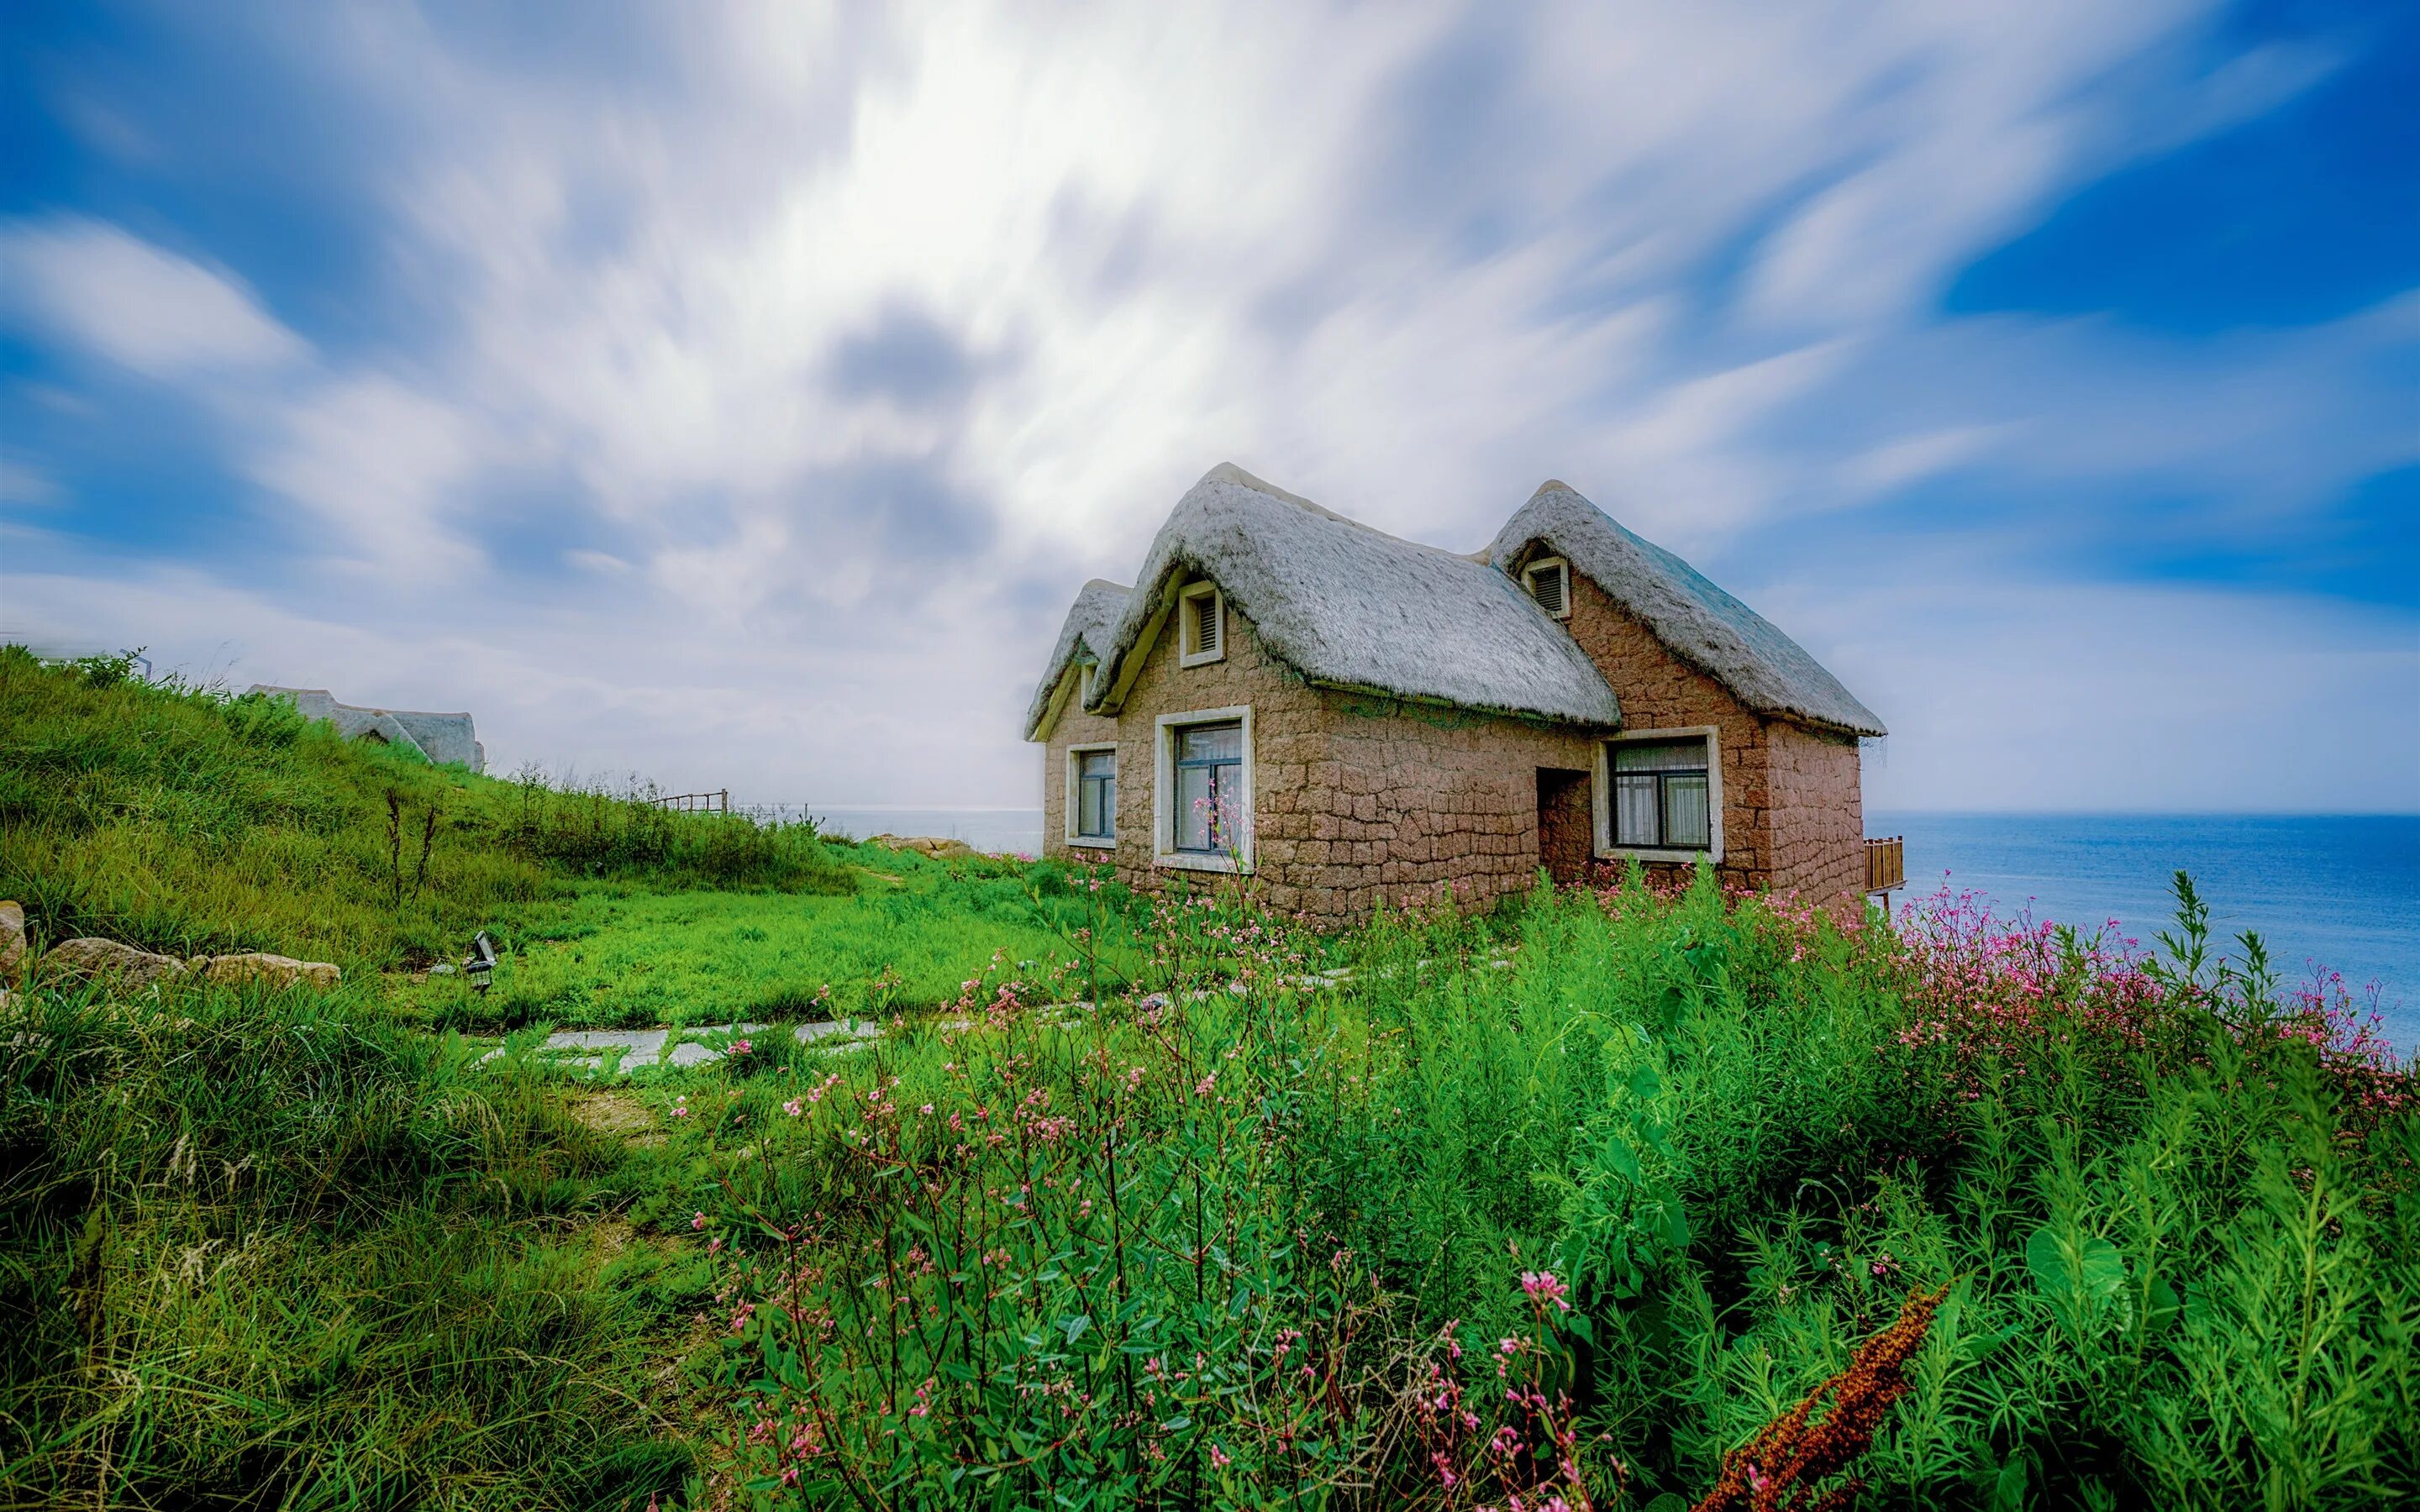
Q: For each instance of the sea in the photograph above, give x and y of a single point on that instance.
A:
(2326, 893)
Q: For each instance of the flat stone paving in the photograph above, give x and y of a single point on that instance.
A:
(627, 1050)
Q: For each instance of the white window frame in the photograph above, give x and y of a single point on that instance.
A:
(1163, 792)
(1529, 587)
(1606, 849)
(1185, 623)
(1068, 799)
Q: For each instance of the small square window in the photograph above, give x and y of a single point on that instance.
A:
(1201, 625)
(1549, 582)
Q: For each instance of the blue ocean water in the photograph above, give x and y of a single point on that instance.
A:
(2326, 892)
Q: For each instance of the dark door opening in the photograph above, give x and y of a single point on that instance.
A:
(1564, 823)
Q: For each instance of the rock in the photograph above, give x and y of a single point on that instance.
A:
(12, 939)
(260, 966)
(91, 957)
(939, 849)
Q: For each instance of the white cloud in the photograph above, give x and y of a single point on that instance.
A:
(1390, 257)
(96, 287)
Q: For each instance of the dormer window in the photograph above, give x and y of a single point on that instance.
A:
(1549, 582)
(1084, 674)
(1201, 624)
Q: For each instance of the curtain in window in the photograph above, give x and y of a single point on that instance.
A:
(1635, 809)
(1685, 821)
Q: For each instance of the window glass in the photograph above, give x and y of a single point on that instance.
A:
(1210, 743)
(1096, 795)
(1209, 760)
(1193, 808)
(1686, 824)
(1634, 808)
(1662, 794)
(1660, 755)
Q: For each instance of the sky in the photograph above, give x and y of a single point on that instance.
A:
(737, 395)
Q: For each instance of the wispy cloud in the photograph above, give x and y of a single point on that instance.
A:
(769, 360)
(94, 287)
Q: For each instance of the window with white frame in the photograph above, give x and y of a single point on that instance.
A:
(1663, 793)
(1549, 582)
(1201, 625)
(1093, 800)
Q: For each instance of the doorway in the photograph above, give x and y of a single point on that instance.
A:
(1564, 822)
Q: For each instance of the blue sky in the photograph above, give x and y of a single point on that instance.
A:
(737, 395)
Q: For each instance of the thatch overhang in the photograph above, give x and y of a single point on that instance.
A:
(1083, 639)
(1353, 607)
(1697, 622)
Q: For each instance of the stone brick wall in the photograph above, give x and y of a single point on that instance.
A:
(1818, 816)
(1417, 806)
(1075, 728)
(1660, 692)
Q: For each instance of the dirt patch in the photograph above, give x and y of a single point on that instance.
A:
(621, 1115)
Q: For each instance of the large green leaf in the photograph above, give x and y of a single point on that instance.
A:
(2070, 1265)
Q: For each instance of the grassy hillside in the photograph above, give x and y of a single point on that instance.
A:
(188, 821)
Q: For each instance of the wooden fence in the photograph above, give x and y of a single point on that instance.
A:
(1886, 864)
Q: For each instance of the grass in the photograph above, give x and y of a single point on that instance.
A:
(274, 1251)
(615, 955)
(186, 821)
(1562, 1207)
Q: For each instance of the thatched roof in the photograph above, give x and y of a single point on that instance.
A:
(441, 737)
(1353, 607)
(1083, 636)
(1696, 621)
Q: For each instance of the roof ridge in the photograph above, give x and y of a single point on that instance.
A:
(1229, 472)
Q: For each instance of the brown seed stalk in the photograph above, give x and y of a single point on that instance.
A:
(1784, 1466)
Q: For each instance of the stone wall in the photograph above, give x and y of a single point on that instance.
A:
(1417, 806)
(1660, 692)
(1075, 728)
(1818, 816)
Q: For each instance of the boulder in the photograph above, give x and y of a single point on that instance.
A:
(272, 970)
(91, 957)
(12, 939)
(939, 849)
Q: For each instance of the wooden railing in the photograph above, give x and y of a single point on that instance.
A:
(718, 801)
(1886, 864)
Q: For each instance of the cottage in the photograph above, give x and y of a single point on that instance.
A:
(1354, 719)
(443, 738)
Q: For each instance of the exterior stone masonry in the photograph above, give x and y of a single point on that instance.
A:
(1362, 799)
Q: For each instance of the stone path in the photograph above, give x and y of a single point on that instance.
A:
(623, 1051)
(627, 1050)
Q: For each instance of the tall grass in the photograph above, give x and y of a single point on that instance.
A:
(2169, 1219)
(263, 1251)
